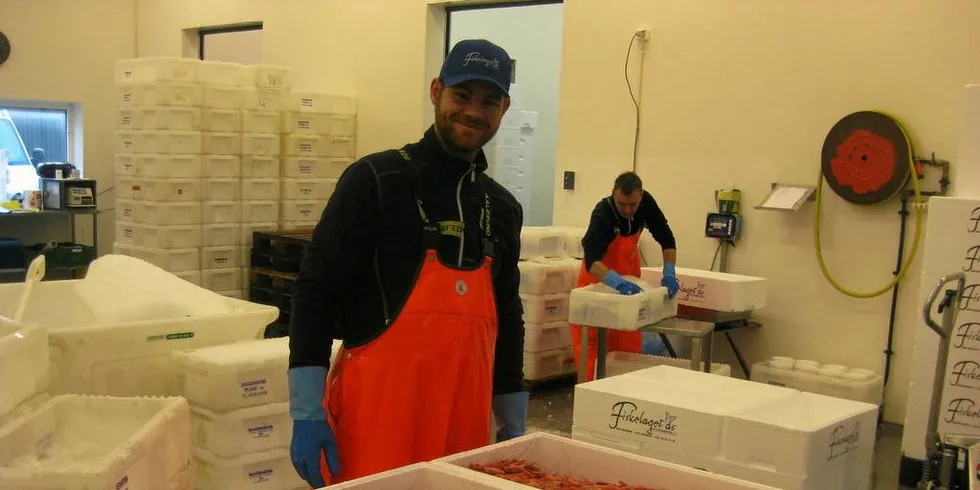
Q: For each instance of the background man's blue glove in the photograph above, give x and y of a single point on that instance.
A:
(653, 344)
(670, 281)
(616, 281)
(312, 434)
(510, 410)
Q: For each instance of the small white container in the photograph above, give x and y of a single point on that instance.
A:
(261, 121)
(220, 258)
(160, 117)
(221, 166)
(220, 73)
(304, 123)
(221, 235)
(158, 166)
(155, 69)
(222, 279)
(305, 145)
(542, 241)
(168, 142)
(301, 210)
(260, 167)
(221, 143)
(539, 337)
(166, 213)
(221, 212)
(229, 377)
(218, 97)
(124, 210)
(179, 236)
(263, 144)
(308, 189)
(260, 189)
(166, 190)
(543, 278)
(270, 470)
(548, 364)
(260, 211)
(340, 147)
(222, 120)
(221, 190)
(244, 431)
(160, 94)
(781, 362)
(263, 99)
(340, 124)
(599, 305)
(545, 308)
(304, 101)
(267, 76)
(314, 167)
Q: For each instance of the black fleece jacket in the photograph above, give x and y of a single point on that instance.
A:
(362, 261)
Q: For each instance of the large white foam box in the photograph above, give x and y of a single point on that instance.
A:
(627, 362)
(77, 442)
(542, 241)
(539, 337)
(239, 432)
(228, 377)
(544, 308)
(424, 476)
(715, 291)
(23, 363)
(538, 277)
(598, 305)
(269, 470)
(572, 265)
(565, 457)
(573, 241)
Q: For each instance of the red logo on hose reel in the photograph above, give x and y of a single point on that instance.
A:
(864, 161)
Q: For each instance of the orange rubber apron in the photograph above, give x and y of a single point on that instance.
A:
(622, 256)
(422, 389)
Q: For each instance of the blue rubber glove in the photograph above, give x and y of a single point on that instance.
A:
(653, 344)
(312, 434)
(616, 281)
(670, 281)
(510, 411)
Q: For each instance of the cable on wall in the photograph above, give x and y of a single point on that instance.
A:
(641, 35)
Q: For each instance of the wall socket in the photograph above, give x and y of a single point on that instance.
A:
(568, 182)
(643, 35)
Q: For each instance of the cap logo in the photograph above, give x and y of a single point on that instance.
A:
(476, 57)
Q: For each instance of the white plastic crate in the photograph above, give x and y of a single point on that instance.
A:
(270, 470)
(341, 124)
(304, 123)
(246, 272)
(547, 278)
(619, 362)
(716, 291)
(78, 442)
(314, 167)
(304, 145)
(159, 141)
(598, 305)
(124, 209)
(221, 73)
(423, 476)
(260, 189)
(539, 337)
(297, 225)
(260, 211)
(263, 99)
(161, 94)
(222, 120)
(221, 212)
(567, 457)
(340, 147)
(261, 121)
(267, 76)
(218, 97)
(245, 252)
(221, 235)
(179, 236)
(174, 260)
(301, 210)
(222, 279)
(244, 431)
(124, 187)
(23, 363)
(221, 190)
(263, 144)
(851, 384)
(151, 69)
(308, 189)
(249, 228)
(220, 258)
(165, 213)
(193, 277)
(221, 143)
(260, 167)
(166, 190)
(158, 166)
(160, 117)
(548, 364)
(304, 101)
(545, 308)
(221, 166)
(541, 241)
(573, 241)
(25, 407)
(233, 376)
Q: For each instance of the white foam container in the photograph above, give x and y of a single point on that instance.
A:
(340, 147)
(221, 189)
(221, 143)
(341, 124)
(249, 228)
(160, 117)
(304, 123)
(222, 120)
(154, 69)
(423, 476)
(166, 190)
(158, 166)
(260, 189)
(124, 187)
(124, 210)
(573, 240)
(263, 99)
(267, 76)
(220, 73)
(221, 234)
(220, 257)
(221, 166)
(220, 97)
(598, 305)
(867, 389)
(260, 211)
(179, 236)
(264, 144)
(164, 213)
(301, 210)
(222, 212)
(77, 442)
(547, 278)
(228, 279)
(260, 167)
(240, 432)
(174, 259)
(541, 241)
(158, 141)
(619, 362)
(567, 263)
(314, 167)
(178, 94)
(23, 363)
(304, 145)
(567, 457)
(308, 189)
(539, 337)
(269, 470)
(261, 121)
(715, 291)
(548, 364)
(321, 103)
(545, 308)
(233, 376)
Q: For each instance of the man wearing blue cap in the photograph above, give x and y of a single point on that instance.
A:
(413, 265)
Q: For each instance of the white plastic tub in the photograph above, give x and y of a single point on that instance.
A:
(221, 166)
(261, 121)
(222, 120)
(301, 210)
(90, 442)
(340, 147)
(314, 167)
(158, 166)
(166, 190)
(244, 431)
(221, 235)
(221, 143)
(221, 212)
(23, 364)
(304, 145)
(548, 364)
(228, 189)
(341, 124)
(270, 470)
(164, 213)
(179, 94)
(260, 211)
(235, 376)
(308, 189)
(260, 167)
(220, 73)
(267, 76)
(304, 123)
(160, 117)
(599, 305)
(228, 279)
(320, 103)
(180, 236)
(260, 189)
(219, 97)
(548, 278)
(220, 257)
(263, 99)
(151, 69)
(423, 476)
(262, 144)
(158, 141)
(545, 308)
(540, 337)
(541, 241)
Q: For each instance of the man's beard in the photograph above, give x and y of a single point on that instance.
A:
(444, 128)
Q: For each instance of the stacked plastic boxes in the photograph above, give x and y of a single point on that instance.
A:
(158, 163)
(318, 143)
(826, 379)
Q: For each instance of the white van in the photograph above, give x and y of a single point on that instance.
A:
(21, 174)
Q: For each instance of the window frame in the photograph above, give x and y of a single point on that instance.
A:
(72, 123)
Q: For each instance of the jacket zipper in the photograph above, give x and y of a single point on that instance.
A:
(459, 207)
(384, 299)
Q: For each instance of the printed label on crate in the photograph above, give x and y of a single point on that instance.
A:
(127, 97)
(127, 232)
(693, 292)
(261, 476)
(626, 416)
(127, 212)
(843, 440)
(552, 308)
(304, 124)
(261, 431)
(126, 120)
(306, 102)
(171, 336)
(306, 191)
(123, 483)
(254, 388)
(306, 169)
(641, 316)
(306, 147)
(305, 212)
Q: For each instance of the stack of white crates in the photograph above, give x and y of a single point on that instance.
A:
(318, 143)
(158, 163)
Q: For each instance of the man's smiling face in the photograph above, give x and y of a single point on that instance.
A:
(468, 115)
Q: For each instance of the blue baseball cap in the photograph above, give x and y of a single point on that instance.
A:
(477, 59)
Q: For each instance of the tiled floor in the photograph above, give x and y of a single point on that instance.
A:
(550, 410)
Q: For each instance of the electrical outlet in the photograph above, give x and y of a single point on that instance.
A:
(643, 34)
(569, 181)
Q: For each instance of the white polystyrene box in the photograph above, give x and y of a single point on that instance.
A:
(801, 435)
(240, 432)
(573, 265)
(222, 120)
(167, 141)
(227, 279)
(79, 442)
(219, 97)
(124, 209)
(222, 212)
(159, 117)
(220, 257)
(260, 167)
(264, 144)
(170, 236)
(221, 143)
(269, 470)
(547, 278)
(424, 476)
(716, 291)
(619, 362)
(566, 457)
(153, 69)
(304, 122)
(158, 166)
(220, 73)
(260, 211)
(548, 364)
(150, 94)
(267, 76)
(340, 147)
(545, 308)
(301, 210)
(314, 167)
(307, 189)
(598, 305)
(269, 122)
(341, 124)
(260, 189)
(166, 213)
(221, 166)
(220, 234)
(23, 363)
(304, 145)
(225, 189)
(539, 337)
(320, 103)
(166, 190)
(541, 241)
(233, 376)
(573, 240)
(263, 99)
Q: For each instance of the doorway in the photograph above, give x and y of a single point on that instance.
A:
(522, 155)
(235, 44)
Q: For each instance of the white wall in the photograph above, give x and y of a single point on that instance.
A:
(745, 96)
(531, 35)
(234, 47)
